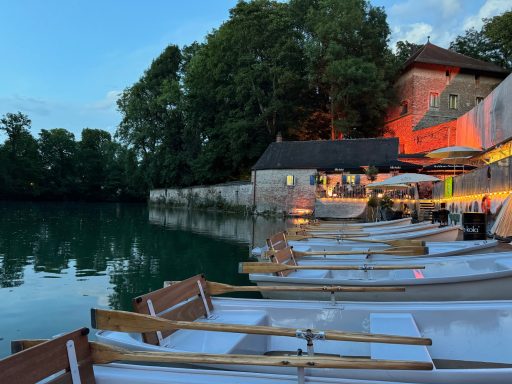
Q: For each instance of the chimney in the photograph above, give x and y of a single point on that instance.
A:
(279, 137)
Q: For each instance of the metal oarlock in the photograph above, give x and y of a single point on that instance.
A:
(309, 336)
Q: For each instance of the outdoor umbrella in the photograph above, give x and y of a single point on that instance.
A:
(454, 151)
(379, 185)
(408, 178)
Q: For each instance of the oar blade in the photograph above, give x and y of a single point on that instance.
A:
(251, 267)
(123, 321)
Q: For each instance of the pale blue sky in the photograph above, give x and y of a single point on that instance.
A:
(63, 62)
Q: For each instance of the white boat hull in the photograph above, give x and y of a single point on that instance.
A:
(435, 249)
(465, 277)
(141, 374)
(470, 340)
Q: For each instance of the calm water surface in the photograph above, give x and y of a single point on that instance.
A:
(59, 260)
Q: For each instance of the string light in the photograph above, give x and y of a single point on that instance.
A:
(475, 196)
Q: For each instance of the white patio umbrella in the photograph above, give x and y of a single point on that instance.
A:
(454, 151)
(408, 178)
(379, 185)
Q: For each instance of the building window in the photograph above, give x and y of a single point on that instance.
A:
(477, 80)
(448, 77)
(290, 180)
(405, 107)
(479, 100)
(434, 100)
(453, 102)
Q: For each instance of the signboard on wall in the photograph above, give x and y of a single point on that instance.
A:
(448, 187)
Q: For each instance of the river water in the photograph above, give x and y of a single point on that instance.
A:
(59, 260)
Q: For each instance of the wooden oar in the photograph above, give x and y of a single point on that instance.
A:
(394, 243)
(104, 354)
(274, 268)
(214, 288)
(297, 231)
(304, 235)
(331, 226)
(398, 251)
(122, 321)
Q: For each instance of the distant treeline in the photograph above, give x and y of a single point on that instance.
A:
(57, 167)
(202, 114)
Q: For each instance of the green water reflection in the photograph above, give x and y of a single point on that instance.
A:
(59, 260)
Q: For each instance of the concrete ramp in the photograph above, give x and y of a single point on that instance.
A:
(339, 209)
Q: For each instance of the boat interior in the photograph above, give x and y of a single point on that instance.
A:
(460, 341)
(465, 266)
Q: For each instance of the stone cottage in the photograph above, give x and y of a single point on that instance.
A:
(298, 177)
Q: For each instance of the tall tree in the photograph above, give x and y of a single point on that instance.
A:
(22, 166)
(348, 56)
(95, 153)
(246, 84)
(491, 43)
(404, 50)
(57, 148)
(152, 121)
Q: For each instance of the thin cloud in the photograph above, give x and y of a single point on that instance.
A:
(489, 9)
(107, 103)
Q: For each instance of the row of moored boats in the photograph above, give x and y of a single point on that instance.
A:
(386, 302)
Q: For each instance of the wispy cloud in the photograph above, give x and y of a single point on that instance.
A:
(107, 103)
(442, 20)
(28, 105)
(414, 33)
(489, 9)
(47, 114)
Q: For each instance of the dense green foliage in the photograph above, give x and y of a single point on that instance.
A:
(56, 167)
(307, 69)
(492, 43)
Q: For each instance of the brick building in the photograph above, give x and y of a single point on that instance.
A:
(435, 88)
(298, 176)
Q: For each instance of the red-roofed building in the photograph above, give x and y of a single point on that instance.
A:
(435, 88)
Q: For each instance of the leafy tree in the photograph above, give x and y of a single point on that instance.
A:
(57, 148)
(22, 166)
(348, 56)
(246, 84)
(499, 31)
(404, 50)
(152, 121)
(493, 43)
(95, 153)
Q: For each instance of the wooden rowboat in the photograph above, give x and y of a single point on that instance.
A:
(71, 358)
(388, 223)
(465, 335)
(449, 233)
(374, 231)
(435, 249)
(471, 277)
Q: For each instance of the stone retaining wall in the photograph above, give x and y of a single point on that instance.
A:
(222, 196)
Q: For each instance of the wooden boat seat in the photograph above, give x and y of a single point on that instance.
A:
(401, 324)
(277, 241)
(222, 342)
(183, 301)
